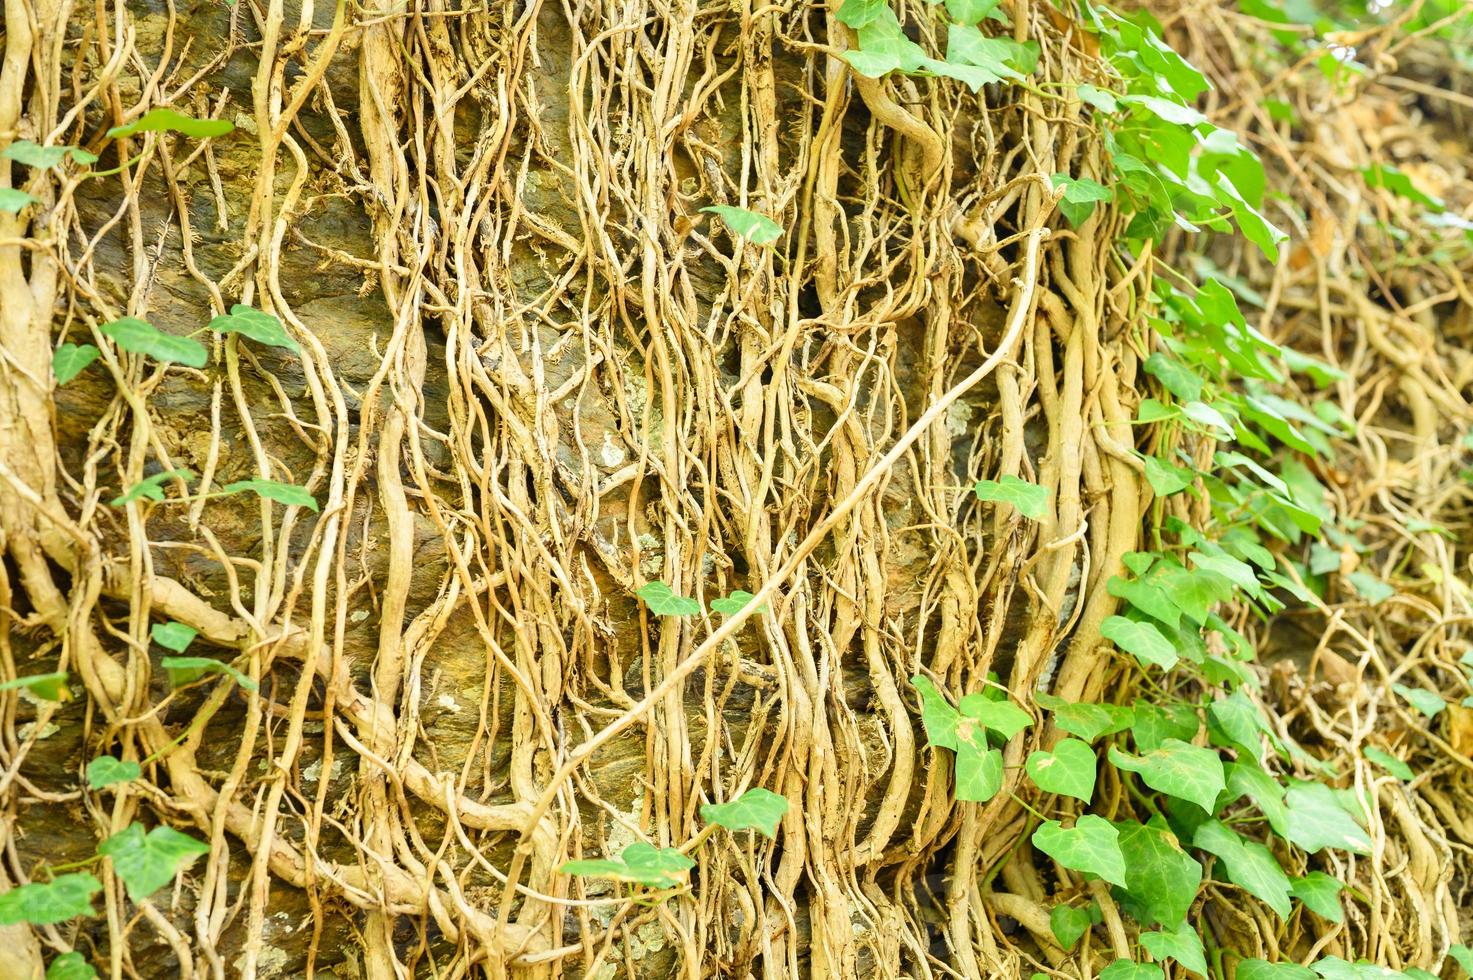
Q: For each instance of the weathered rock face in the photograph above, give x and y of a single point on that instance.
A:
(533, 377)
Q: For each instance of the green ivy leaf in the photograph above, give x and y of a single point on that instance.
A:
(1317, 821)
(1372, 589)
(1030, 499)
(978, 768)
(861, 13)
(1154, 724)
(1239, 719)
(1091, 845)
(885, 50)
(1175, 376)
(105, 771)
(735, 603)
(283, 493)
(1130, 970)
(1088, 721)
(1178, 769)
(969, 12)
(13, 201)
(141, 337)
(148, 862)
(1159, 875)
(1068, 924)
(755, 228)
(1000, 715)
(1148, 597)
(663, 601)
(1183, 945)
(1429, 703)
(1099, 98)
(67, 897)
(151, 488)
(640, 864)
(1141, 639)
(1389, 762)
(1267, 793)
(1463, 955)
(43, 157)
(170, 121)
(1334, 968)
(1080, 197)
(1264, 970)
(183, 670)
(70, 360)
(70, 966)
(1068, 770)
(1320, 894)
(937, 714)
(47, 687)
(1398, 183)
(250, 322)
(1248, 864)
(757, 809)
(1166, 478)
(173, 636)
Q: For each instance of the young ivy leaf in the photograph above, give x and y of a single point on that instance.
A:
(141, 337)
(43, 157)
(1320, 894)
(1088, 721)
(1068, 924)
(1317, 821)
(70, 966)
(1159, 875)
(1389, 762)
(151, 488)
(1264, 970)
(1187, 772)
(13, 201)
(67, 897)
(173, 636)
(757, 809)
(1091, 845)
(250, 322)
(170, 121)
(735, 603)
(47, 687)
(1068, 770)
(1182, 945)
(937, 714)
(971, 12)
(148, 862)
(282, 493)
(1248, 864)
(861, 13)
(1429, 703)
(1130, 970)
(978, 768)
(105, 771)
(1030, 499)
(663, 600)
(183, 670)
(640, 864)
(1372, 589)
(1175, 376)
(1080, 197)
(755, 228)
(1141, 639)
(1166, 478)
(1001, 716)
(71, 360)
(1463, 955)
